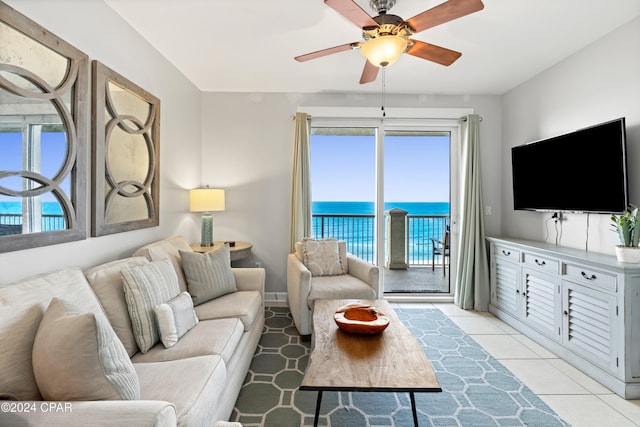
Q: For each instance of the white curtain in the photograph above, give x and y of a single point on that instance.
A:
(301, 194)
(472, 281)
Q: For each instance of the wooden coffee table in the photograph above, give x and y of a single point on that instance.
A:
(392, 361)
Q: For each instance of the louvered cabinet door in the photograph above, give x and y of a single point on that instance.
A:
(589, 322)
(505, 287)
(542, 302)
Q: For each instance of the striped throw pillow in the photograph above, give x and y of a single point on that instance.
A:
(175, 318)
(208, 275)
(145, 287)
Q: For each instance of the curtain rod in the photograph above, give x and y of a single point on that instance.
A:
(464, 119)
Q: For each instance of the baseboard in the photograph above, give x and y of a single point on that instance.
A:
(275, 299)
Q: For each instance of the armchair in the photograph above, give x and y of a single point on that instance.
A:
(358, 280)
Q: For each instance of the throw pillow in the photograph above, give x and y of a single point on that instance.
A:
(342, 251)
(175, 318)
(321, 257)
(208, 275)
(145, 287)
(77, 356)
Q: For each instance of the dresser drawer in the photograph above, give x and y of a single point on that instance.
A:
(506, 253)
(541, 263)
(586, 275)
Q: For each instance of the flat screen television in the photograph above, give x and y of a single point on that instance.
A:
(581, 171)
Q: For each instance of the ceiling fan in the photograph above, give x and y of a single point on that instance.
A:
(386, 36)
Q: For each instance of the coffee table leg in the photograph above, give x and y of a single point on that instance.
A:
(315, 419)
(413, 409)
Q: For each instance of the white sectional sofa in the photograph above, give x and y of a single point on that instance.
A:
(195, 383)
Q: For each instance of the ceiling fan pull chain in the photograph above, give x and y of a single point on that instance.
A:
(384, 83)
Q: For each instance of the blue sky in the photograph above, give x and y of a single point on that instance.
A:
(416, 168)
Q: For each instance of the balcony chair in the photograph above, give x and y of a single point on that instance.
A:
(440, 248)
(322, 269)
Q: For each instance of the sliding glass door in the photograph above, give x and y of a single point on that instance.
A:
(387, 189)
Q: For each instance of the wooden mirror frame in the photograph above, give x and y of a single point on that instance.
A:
(121, 189)
(74, 116)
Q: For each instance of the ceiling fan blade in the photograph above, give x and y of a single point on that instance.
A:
(369, 74)
(352, 11)
(434, 53)
(325, 52)
(445, 12)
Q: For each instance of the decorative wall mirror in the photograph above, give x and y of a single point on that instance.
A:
(126, 150)
(43, 135)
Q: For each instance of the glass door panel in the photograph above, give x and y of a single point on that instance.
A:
(343, 189)
(417, 211)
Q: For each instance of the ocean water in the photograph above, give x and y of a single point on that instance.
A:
(48, 208)
(354, 223)
(9, 221)
(368, 208)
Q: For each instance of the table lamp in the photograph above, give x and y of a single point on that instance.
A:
(206, 200)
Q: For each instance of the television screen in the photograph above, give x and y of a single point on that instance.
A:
(582, 171)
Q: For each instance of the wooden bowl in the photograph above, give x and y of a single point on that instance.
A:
(359, 318)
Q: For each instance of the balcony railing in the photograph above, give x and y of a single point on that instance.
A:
(358, 232)
(12, 223)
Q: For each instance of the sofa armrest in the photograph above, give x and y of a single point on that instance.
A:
(298, 289)
(367, 272)
(104, 413)
(250, 279)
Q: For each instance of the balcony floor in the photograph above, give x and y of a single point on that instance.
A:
(416, 279)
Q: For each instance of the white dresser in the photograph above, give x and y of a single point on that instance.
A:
(582, 306)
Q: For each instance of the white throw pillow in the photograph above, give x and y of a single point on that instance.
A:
(145, 287)
(175, 318)
(77, 356)
(208, 275)
(321, 257)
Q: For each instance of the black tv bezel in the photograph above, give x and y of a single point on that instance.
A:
(625, 170)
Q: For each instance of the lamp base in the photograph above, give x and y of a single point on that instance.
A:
(206, 238)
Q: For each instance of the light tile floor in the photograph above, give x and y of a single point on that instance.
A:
(578, 399)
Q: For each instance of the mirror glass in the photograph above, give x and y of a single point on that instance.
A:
(41, 81)
(126, 147)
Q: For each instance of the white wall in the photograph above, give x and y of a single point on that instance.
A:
(97, 30)
(248, 150)
(597, 84)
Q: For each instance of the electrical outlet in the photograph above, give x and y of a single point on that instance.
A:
(258, 264)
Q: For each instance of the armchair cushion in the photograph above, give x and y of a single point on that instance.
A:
(321, 257)
(339, 287)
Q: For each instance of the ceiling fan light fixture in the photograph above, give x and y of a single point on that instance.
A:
(383, 51)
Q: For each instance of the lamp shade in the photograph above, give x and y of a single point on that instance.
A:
(206, 200)
(383, 51)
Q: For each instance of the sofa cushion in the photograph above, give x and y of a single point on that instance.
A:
(145, 287)
(175, 318)
(106, 281)
(321, 257)
(77, 356)
(168, 248)
(244, 305)
(342, 252)
(193, 385)
(339, 287)
(208, 275)
(209, 337)
(22, 306)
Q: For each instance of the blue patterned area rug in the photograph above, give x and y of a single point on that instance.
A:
(477, 390)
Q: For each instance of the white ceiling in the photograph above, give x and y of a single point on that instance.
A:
(249, 45)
